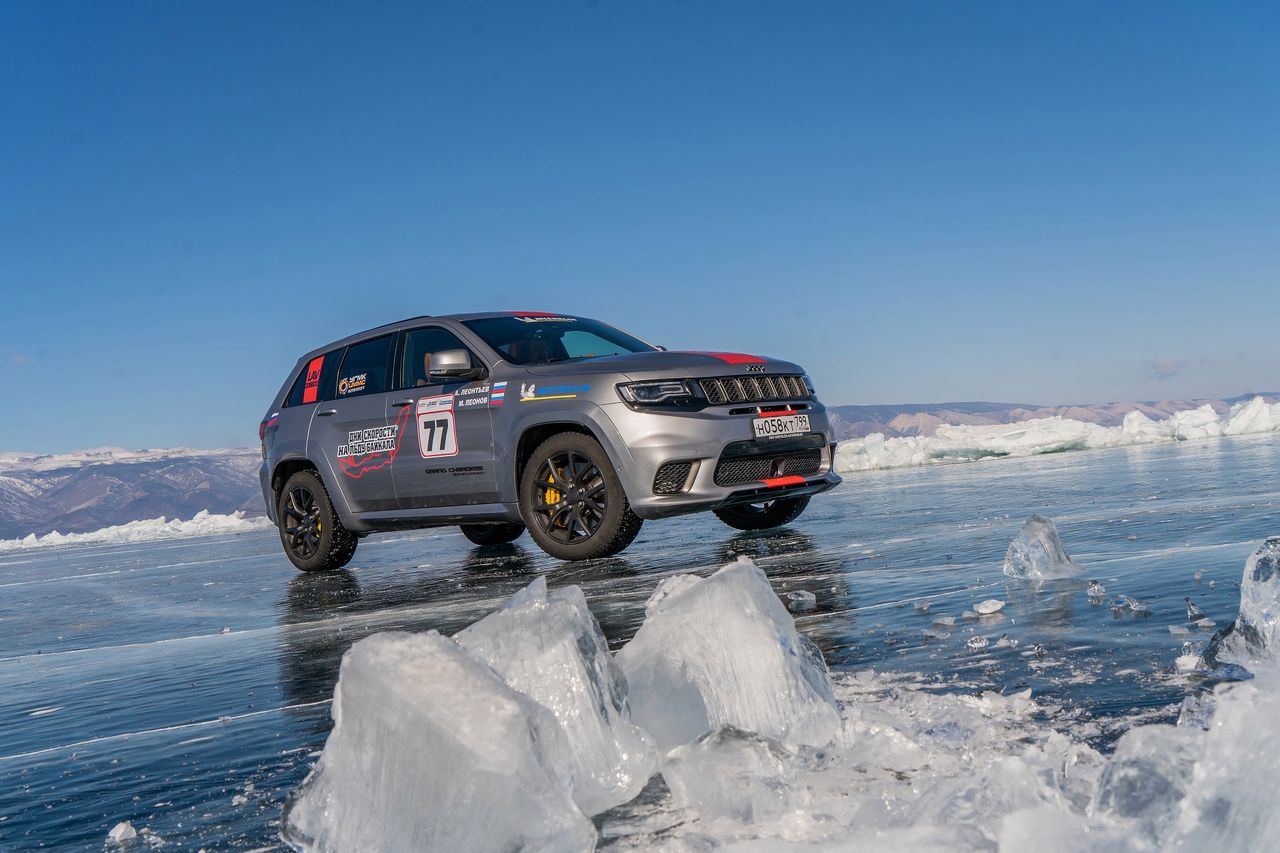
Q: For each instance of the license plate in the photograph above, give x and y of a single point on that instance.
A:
(780, 425)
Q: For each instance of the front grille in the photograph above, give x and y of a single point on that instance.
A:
(753, 389)
(671, 478)
(736, 470)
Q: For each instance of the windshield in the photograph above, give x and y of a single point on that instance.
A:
(547, 338)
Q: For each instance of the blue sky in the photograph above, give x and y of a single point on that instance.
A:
(920, 202)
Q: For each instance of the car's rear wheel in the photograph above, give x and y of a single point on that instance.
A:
(762, 516)
(572, 500)
(492, 534)
(314, 539)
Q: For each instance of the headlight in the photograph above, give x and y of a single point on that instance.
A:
(667, 392)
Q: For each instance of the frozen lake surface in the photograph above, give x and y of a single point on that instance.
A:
(185, 685)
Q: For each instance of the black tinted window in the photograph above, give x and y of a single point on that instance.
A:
(366, 368)
(315, 382)
(419, 346)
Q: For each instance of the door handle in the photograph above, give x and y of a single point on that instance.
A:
(326, 413)
(400, 404)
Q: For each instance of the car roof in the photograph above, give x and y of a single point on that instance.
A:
(388, 328)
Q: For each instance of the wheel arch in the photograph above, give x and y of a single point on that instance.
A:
(286, 469)
(534, 434)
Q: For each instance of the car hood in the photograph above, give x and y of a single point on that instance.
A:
(669, 363)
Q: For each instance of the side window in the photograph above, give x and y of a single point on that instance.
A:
(315, 382)
(366, 368)
(419, 345)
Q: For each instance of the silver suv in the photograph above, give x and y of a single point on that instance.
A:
(505, 421)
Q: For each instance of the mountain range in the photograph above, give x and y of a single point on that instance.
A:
(88, 490)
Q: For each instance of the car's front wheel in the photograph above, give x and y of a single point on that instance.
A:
(572, 500)
(762, 516)
(314, 539)
(492, 534)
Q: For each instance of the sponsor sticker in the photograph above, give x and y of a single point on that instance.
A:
(311, 390)
(353, 384)
(498, 394)
(530, 392)
(372, 448)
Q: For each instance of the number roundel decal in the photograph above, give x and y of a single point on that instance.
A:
(436, 433)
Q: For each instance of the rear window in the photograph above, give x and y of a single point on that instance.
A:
(315, 382)
(366, 368)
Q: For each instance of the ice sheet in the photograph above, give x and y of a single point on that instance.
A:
(968, 443)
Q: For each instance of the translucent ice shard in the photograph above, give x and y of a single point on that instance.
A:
(1129, 604)
(550, 648)
(986, 608)
(1037, 552)
(731, 773)
(723, 651)
(1253, 636)
(431, 750)
(1194, 613)
(1147, 777)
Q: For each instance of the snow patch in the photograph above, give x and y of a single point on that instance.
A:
(969, 443)
(204, 523)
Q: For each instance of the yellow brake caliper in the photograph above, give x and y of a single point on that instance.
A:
(552, 496)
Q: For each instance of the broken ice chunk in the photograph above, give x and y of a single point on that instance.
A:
(1189, 660)
(1206, 623)
(977, 642)
(930, 634)
(801, 600)
(1126, 603)
(1149, 774)
(923, 606)
(550, 648)
(432, 750)
(1213, 584)
(1178, 630)
(991, 605)
(1037, 552)
(1006, 643)
(945, 621)
(723, 651)
(1253, 635)
(1096, 589)
(122, 832)
(732, 773)
(1193, 612)
(1198, 575)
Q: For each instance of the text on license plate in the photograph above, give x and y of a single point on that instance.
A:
(780, 425)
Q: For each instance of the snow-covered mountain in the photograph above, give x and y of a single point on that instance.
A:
(91, 489)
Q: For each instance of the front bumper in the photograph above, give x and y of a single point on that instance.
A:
(771, 468)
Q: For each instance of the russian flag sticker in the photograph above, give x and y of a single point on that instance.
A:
(498, 394)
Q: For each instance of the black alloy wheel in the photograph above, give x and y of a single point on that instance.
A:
(573, 497)
(302, 523)
(313, 537)
(572, 500)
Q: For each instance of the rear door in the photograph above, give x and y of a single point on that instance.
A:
(352, 430)
(449, 459)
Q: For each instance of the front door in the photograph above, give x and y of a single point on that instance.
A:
(453, 431)
(356, 431)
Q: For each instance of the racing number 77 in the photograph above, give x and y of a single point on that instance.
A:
(432, 428)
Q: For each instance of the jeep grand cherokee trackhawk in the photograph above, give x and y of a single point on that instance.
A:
(505, 421)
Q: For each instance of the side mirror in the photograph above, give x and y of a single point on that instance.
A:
(454, 364)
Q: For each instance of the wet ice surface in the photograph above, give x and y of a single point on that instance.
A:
(125, 701)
